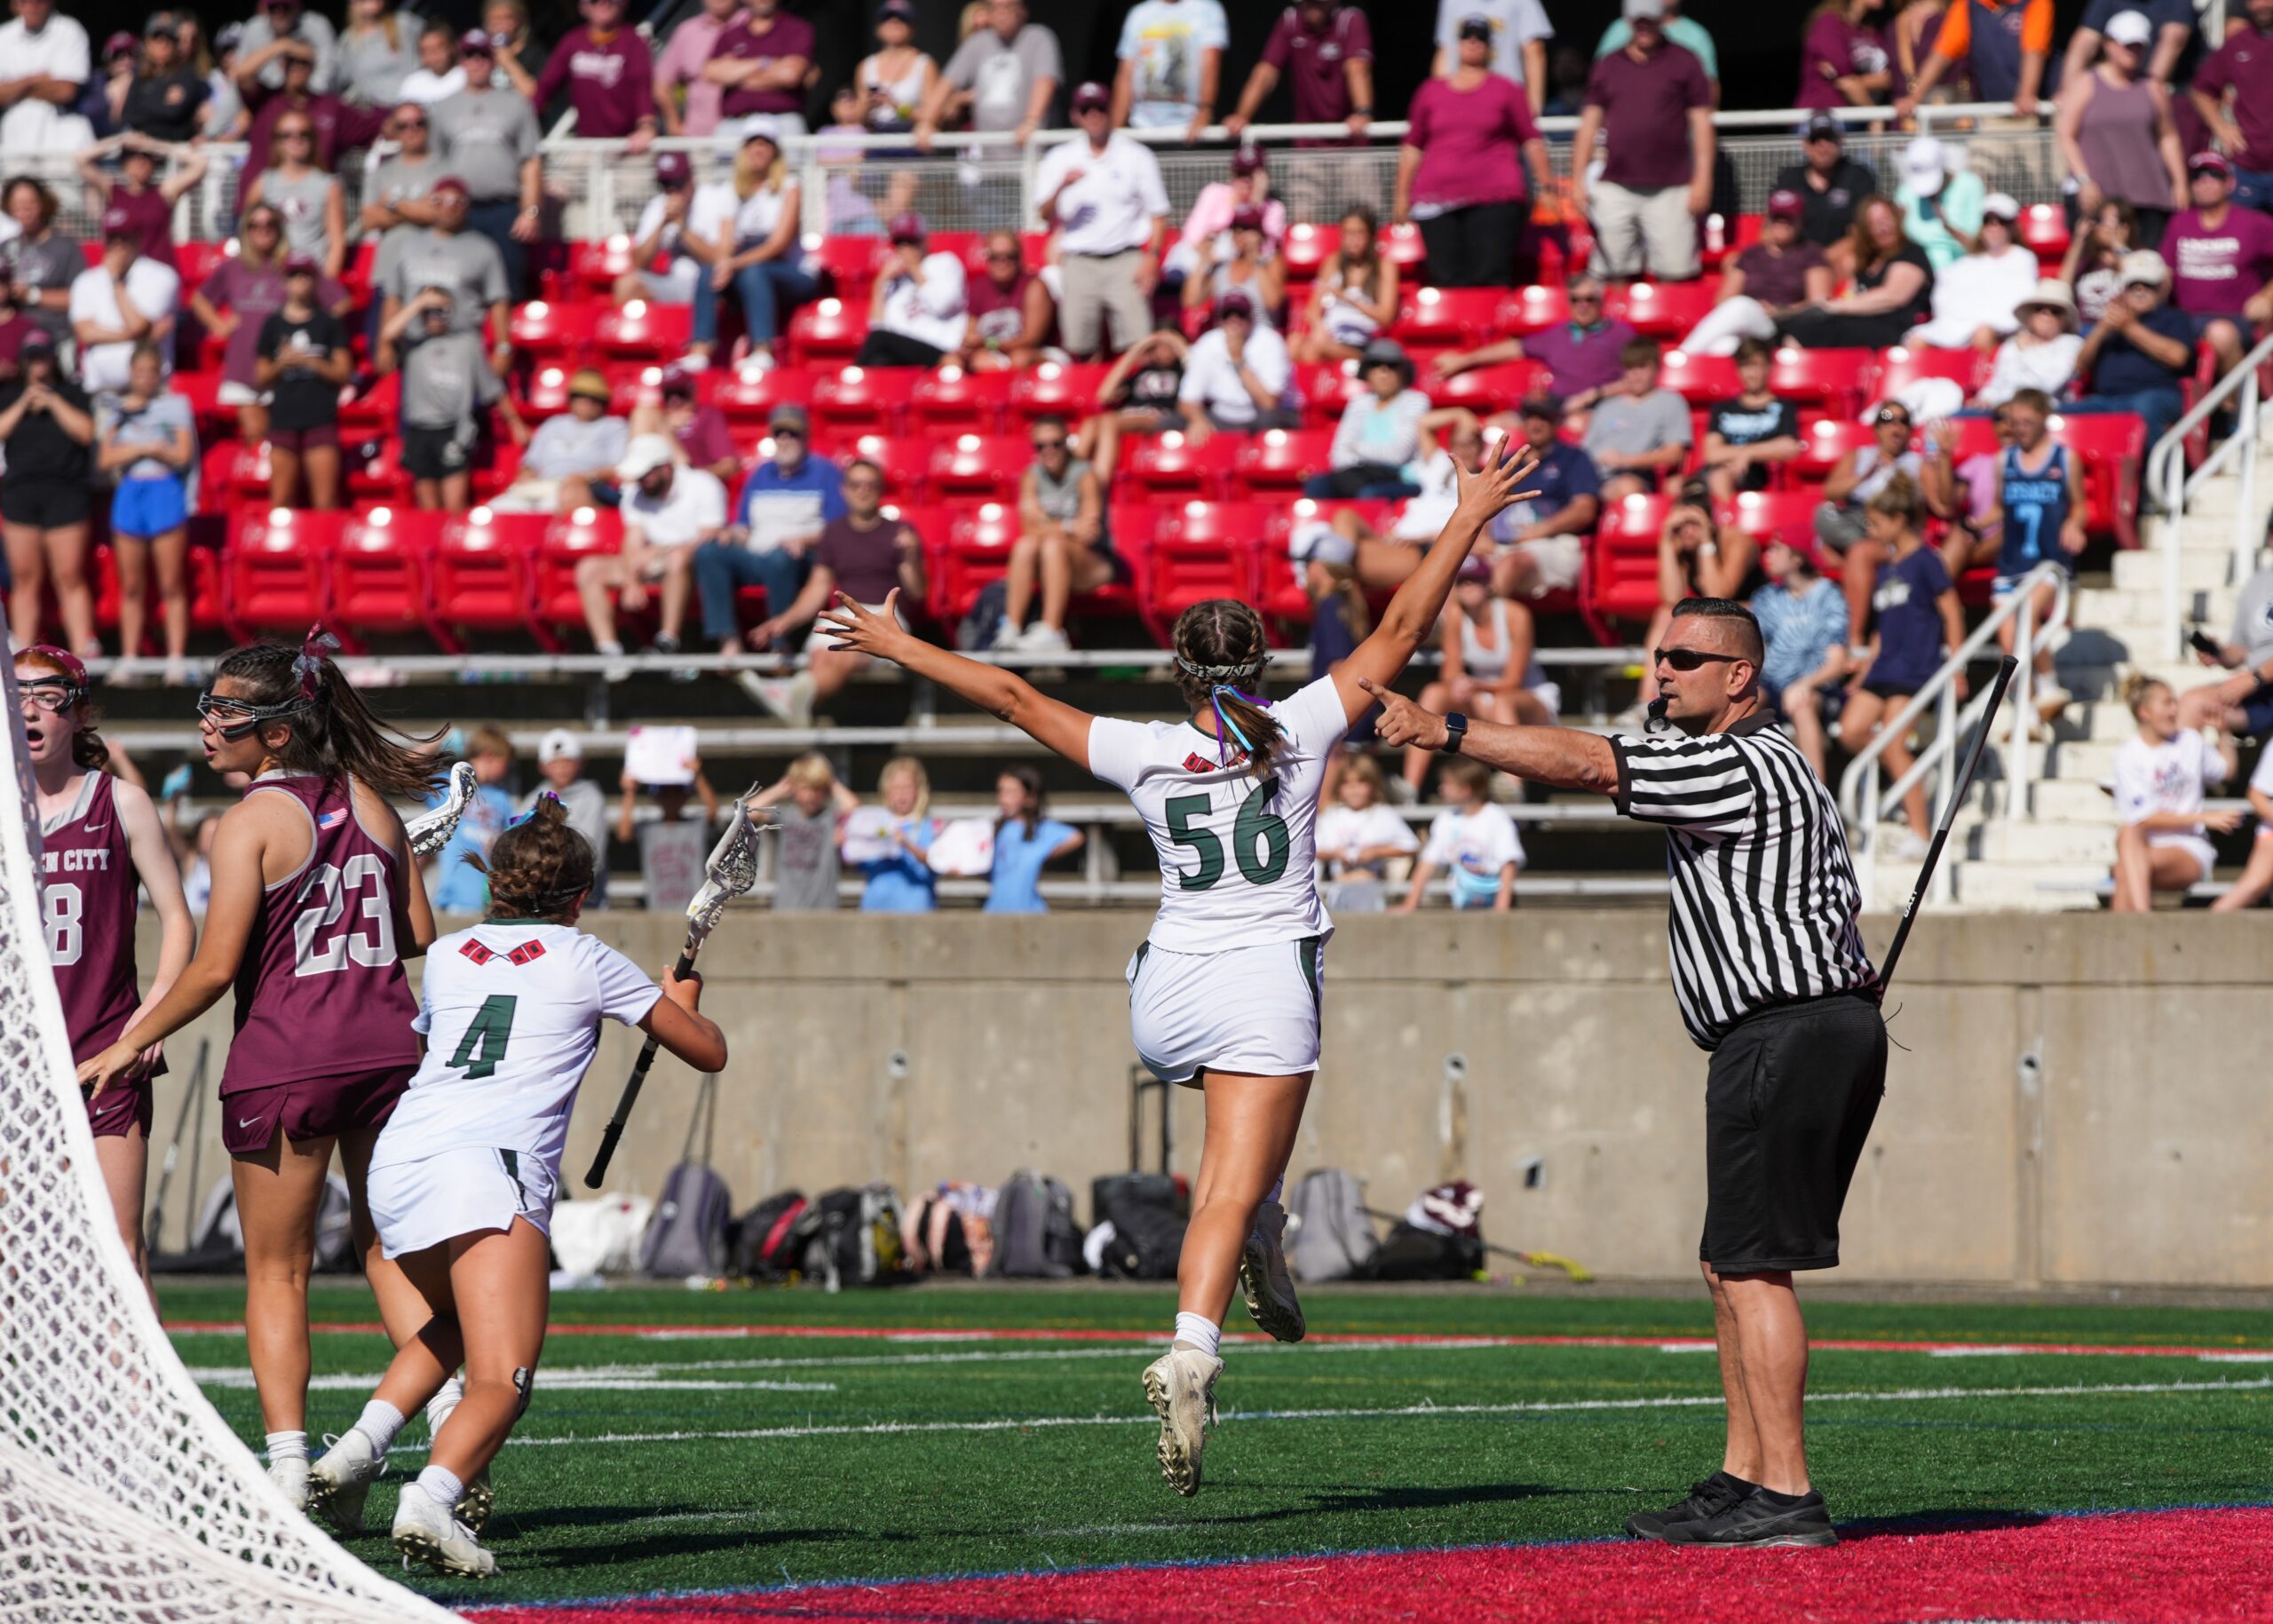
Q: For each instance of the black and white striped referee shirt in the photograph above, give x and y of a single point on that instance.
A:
(1764, 900)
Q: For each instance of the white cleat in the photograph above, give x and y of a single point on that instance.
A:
(339, 1483)
(1264, 1279)
(478, 1500)
(424, 1532)
(292, 1475)
(1181, 1385)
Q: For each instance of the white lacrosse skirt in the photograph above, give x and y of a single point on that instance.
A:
(420, 1204)
(1252, 1009)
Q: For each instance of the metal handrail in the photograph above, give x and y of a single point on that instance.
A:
(1862, 801)
(2166, 473)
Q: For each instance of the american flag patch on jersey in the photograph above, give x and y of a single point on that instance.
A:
(475, 951)
(332, 820)
(528, 953)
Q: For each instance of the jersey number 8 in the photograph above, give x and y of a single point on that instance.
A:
(64, 937)
(1256, 825)
(364, 875)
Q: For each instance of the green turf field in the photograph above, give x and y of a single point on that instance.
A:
(697, 1460)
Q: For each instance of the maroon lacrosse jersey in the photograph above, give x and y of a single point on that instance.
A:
(87, 899)
(322, 992)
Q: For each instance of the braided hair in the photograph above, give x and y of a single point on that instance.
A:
(538, 867)
(332, 731)
(1220, 651)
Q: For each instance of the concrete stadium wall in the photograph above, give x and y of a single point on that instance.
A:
(2079, 1099)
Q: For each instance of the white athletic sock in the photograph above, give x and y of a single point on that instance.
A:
(287, 1446)
(379, 1422)
(445, 1400)
(1199, 1331)
(610, 649)
(443, 1488)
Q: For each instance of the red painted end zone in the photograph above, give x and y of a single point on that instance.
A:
(2160, 1567)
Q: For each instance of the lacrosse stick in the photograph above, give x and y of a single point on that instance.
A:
(431, 831)
(732, 871)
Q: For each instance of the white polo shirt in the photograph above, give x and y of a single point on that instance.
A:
(1111, 207)
(693, 509)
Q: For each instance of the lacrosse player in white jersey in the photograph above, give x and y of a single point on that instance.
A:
(464, 1173)
(1225, 994)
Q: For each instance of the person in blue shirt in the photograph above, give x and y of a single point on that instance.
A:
(904, 882)
(2040, 519)
(1025, 841)
(459, 886)
(1918, 618)
(1803, 622)
(787, 502)
(1543, 541)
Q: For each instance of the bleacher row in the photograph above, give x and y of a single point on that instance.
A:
(1190, 520)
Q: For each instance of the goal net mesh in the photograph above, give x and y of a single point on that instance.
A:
(123, 1496)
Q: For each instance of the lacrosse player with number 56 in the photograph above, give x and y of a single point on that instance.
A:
(464, 1179)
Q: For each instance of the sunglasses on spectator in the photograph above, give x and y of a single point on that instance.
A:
(996, 255)
(261, 225)
(298, 135)
(1688, 659)
(786, 432)
(1586, 299)
(1049, 445)
(864, 482)
(1892, 414)
(410, 123)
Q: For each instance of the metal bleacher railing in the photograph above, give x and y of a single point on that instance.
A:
(2167, 480)
(853, 182)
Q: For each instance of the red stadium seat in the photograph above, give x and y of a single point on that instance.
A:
(375, 410)
(202, 391)
(1326, 388)
(1401, 242)
(827, 330)
(2112, 448)
(567, 541)
(375, 469)
(483, 577)
(1905, 364)
(555, 330)
(746, 395)
(644, 330)
(378, 581)
(1486, 390)
(974, 552)
(2043, 232)
(1833, 379)
(1773, 515)
(194, 259)
(277, 560)
(1447, 317)
(984, 466)
(861, 399)
(1662, 310)
(1824, 442)
(952, 398)
(1055, 388)
(207, 610)
(1173, 462)
(545, 396)
(640, 383)
(1621, 576)
(852, 264)
(495, 473)
(905, 460)
(593, 267)
(1698, 379)
(1306, 248)
(1279, 460)
(1530, 310)
(1201, 550)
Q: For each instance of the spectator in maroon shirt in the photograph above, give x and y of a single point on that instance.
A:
(138, 189)
(1328, 48)
(2244, 124)
(1460, 172)
(608, 75)
(760, 61)
(1581, 355)
(1651, 101)
(339, 128)
(699, 431)
(1844, 61)
(1779, 274)
(1011, 312)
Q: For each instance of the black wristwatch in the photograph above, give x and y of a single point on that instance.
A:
(1455, 730)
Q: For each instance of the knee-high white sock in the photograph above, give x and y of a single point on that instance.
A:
(287, 1447)
(1199, 1331)
(379, 1422)
(442, 1487)
(445, 1400)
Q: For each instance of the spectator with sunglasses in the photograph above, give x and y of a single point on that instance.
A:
(310, 198)
(339, 129)
(490, 137)
(608, 75)
(1584, 356)
(672, 243)
(1012, 315)
(918, 311)
(398, 196)
(1830, 185)
(166, 102)
(1062, 546)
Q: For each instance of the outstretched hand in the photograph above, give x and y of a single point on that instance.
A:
(860, 631)
(1402, 722)
(1497, 485)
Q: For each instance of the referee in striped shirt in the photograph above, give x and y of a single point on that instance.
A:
(1769, 972)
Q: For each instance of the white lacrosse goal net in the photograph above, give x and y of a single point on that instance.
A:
(123, 1496)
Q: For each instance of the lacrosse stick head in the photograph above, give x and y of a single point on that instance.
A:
(731, 870)
(431, 831)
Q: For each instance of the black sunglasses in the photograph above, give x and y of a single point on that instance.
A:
(1687, 659)
(1049, 445)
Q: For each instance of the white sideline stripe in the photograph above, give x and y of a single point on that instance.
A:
(602, 1378)
(1911, 1395)
(1985, 1351)
(2235, 1358)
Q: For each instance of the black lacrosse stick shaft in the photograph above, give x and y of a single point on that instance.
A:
(2005, 669)
(613, 1134)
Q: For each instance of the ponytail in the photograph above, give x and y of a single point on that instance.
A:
(1219, 647)
(332, 731)
(538, 867)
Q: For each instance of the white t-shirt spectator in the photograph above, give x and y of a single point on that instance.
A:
(1978, 290)
(1120, 194)
(693, 509)
(57, 51)
(1212, 380)
(1515, 24)
(755, 216)
(1472, 846)
(425, 89)
(1343, 830)
(934, 311)
(567, 445)
(155, 290)
(2166, 778)
(1162, 40)
(2049, 366)
(651, 220)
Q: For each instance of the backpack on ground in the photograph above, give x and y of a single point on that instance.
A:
(1141, 1218)
(851, 1237)
(600, 1234)
(761, 1247)
(1035, 1237)
(688, 1235)
(1328, 1235)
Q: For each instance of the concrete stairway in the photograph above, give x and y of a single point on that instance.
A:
(2055, 854)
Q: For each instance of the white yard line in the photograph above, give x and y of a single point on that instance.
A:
(592, 1378)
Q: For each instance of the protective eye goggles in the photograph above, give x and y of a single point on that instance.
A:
(51, 693)
(233, 719)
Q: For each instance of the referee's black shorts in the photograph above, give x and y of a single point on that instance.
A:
(1788, 1102)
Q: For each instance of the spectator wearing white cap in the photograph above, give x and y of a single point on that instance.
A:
(123, 299)
(1653, 101)
(2140, 355)
(668, 511)
(1105, 196)
(2041, 353)
(560, 760)
(1940, 205)
(1238, 375)
(920, 308)
(2175, 52)
(1976, 295)
(48, 62)
(2116, 134)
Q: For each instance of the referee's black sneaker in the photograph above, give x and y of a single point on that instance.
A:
(1708, 1498)
(1760, 1521)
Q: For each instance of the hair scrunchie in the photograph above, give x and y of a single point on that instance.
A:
(307, 665)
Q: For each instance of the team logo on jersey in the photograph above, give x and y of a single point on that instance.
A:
(1197, 763)
(528, 953)
(332, 820)
(475, 951)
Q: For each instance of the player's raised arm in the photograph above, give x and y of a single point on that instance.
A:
(1412, 614)
(1001, 694)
